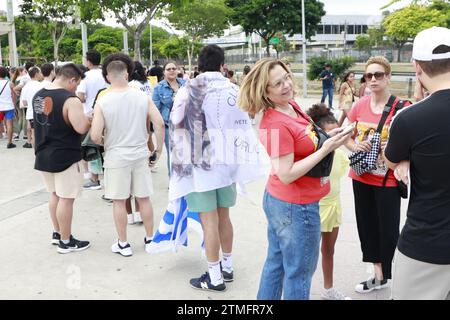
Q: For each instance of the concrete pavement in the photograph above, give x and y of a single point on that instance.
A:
(31, 268)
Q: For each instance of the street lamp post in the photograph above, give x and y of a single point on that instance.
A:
(151, 45)
(305, 93)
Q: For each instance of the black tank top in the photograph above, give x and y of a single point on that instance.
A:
(58, 145)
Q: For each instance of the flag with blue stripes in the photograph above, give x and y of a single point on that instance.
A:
(173, 228)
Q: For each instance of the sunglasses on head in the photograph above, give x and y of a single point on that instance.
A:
(377, 75)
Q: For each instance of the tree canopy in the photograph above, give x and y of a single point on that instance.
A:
(403, 25)
(199, 19)
(267, 17)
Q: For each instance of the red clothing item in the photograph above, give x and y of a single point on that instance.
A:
(367, 123)
(281, 135)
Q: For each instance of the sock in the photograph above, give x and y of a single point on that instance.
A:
(214, 273)
(87, 175)
(123, 244)
(57, 232)
(65, 241)
(148, 238)
(227, 261)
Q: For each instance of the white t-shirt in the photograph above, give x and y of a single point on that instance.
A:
(90, 86)
(24, 79)
(144, 87)
(27, 95)
(6, 102)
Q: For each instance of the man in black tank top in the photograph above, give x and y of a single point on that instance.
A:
(59, 122)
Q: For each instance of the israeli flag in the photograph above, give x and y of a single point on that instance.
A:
(173, 228)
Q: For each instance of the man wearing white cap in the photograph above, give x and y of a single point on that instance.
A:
(420, 143)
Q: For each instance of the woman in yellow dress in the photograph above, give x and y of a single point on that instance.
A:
(330, 205)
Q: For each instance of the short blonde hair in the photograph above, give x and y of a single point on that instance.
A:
(382, 61)
(253, 92)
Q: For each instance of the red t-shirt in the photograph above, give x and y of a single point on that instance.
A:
(367, 123)
(281, 135)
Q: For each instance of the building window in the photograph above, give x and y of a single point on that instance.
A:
(351, 29)
(342, 28)
(327, 29)
(336, 29)
(364, 30)
(358, 30)
(320, 29)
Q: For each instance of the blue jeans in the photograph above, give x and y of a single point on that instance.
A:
(327, 92)
(293, 252)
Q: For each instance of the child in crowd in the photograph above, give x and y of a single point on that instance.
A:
(330, 205)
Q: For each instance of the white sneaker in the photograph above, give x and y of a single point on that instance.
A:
(147, 245)
(137, 217)
(130, 218)
(333, 294)
(124, 251)
(371, 284)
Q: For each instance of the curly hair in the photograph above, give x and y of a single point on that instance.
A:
(118, 57)
(321, 115)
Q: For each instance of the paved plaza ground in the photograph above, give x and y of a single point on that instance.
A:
(31, 268)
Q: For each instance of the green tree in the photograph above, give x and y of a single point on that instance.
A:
(403, 25)
(177, 48)
(199, 19)
(267, 17)
(444, 7)
(55, 15)
(281, 44)
(134, 15)
(363, 42)
(340, 66)
(159, 37)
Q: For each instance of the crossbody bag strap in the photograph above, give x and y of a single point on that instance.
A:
(386, 111)
(7, 81)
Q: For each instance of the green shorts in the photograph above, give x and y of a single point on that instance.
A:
(211, 200)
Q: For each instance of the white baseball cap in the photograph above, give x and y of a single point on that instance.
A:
(428, 40)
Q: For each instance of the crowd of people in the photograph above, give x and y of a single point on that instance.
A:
(132, 114)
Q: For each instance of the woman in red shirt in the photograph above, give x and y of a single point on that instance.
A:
(291, 198)
(377, 202)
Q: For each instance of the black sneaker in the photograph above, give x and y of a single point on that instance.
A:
(371, 284)
(227, 276)
(55, 238)
(28, 145)
(204, 283)
(73, 245)
(10, 145)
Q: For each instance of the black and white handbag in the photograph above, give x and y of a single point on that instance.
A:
(363, 162)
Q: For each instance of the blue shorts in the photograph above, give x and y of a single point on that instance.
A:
(8, 115)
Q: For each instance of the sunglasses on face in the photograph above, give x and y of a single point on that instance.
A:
(171, 69)
(377, 75)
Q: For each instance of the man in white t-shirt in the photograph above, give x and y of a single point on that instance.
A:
(28, 92)
(48, 71)
(87, 91)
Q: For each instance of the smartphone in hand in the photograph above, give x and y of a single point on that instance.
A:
(349, 129)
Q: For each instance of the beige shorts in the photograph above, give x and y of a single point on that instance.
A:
(134, 180)
(66, 184)
(417, 280)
